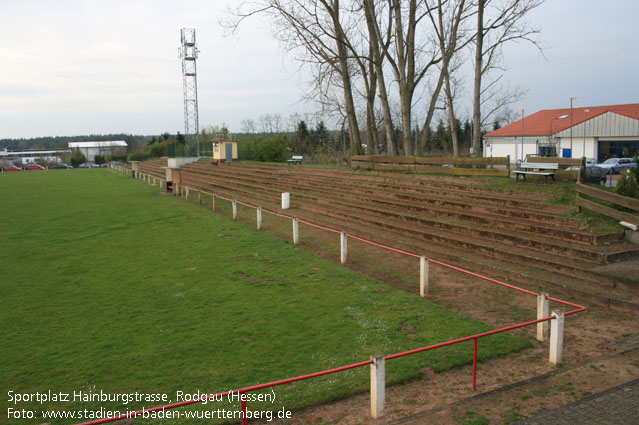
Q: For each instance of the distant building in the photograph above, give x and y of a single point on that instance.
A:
(599, 132)
(91, 149)
(25, 157)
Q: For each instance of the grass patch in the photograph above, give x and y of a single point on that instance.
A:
(110, 287)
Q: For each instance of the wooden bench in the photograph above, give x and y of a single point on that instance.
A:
(296, 159)
(538, 169)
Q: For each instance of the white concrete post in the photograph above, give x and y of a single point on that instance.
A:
(296, 232)
(343, 247)
(214, 203)
(259, 218)
(423, 276)
(176, 189)
(542, 311)
(188, 189)
(378, 385)
(234, 202)
(556, 337)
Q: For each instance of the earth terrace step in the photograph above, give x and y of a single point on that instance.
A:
(461, 203)
(499, 197)
(441, 251)
(411, 180)
(558, 261)
(400, 210)
(526, 276)
(485, 219)
(614, 254)
(445, 181)
(520, 238)
(433, 236)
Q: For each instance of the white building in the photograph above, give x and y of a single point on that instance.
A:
(599, 132)
(91, 149)
(30, 156)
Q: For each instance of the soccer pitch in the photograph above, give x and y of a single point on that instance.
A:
(110, 288)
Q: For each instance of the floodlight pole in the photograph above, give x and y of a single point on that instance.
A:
(584, 124)
(188, 54)
(571, 100)
(522, 134)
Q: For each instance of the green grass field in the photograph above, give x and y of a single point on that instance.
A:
(109, 286)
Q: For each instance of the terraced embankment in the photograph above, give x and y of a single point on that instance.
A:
(154, 167)
(513, 235)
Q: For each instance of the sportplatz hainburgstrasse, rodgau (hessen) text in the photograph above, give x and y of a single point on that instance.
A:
(136, 397)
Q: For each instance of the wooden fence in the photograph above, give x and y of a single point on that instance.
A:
(453, 166)
(610, 198)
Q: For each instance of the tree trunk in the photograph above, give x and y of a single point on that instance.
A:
(479, 40)
(369, 9)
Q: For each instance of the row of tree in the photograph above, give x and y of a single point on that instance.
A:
(373, 61)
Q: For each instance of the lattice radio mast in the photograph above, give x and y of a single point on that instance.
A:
(188, 54)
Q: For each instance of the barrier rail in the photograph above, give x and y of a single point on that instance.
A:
(556, 336)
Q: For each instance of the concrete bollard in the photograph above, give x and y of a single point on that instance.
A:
(343, 247)
(423, 276)
(296, 232)
(378, 385)
(286, 200)
(556, 337)
(234, 203)
(542, 311)
(214, 202)
(259, 218)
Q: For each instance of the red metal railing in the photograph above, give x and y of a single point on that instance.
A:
(475, 338)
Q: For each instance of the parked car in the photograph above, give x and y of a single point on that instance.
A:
(595, 174)
(627, 163)
(11, 168)
(612, 165)
(62, 166)
(33, 167)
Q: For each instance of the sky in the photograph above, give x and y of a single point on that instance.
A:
(72, 67)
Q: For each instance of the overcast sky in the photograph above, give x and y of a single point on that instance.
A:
(72, 67)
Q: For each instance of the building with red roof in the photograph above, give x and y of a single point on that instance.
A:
(599, 132)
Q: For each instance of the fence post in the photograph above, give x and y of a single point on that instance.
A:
(343, 247)
(296, 232)
(199, 197)
(176, 189)
(423, 276)
(214, 201)
(556, 337)
(188, 189)
(259, 218)
(378, 385)
(542, 311)
(234, 202)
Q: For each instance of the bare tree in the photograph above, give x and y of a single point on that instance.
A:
(498, 22)
(248, 126)
(451, 38)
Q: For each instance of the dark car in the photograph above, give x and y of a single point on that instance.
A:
(62, 166)
(11, 168)
(595, 174)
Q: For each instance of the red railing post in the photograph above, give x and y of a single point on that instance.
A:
(243, 408)
(475, 363)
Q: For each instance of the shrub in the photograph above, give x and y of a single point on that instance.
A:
(138, 156)
(99, 159)
(77, 158)
(627, 185)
